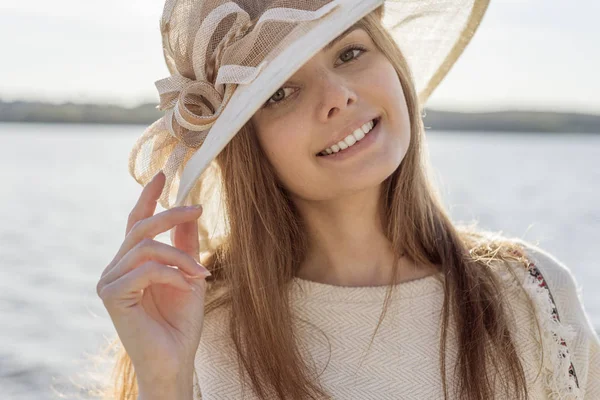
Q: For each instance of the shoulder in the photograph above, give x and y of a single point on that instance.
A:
(563, 285)
(571, 326)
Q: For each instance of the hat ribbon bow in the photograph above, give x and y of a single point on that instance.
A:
(196, 105)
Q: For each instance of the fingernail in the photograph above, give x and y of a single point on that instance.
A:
(194, 207)
(203, 271)
(201, 276)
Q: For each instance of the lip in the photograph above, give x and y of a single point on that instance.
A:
(361, 145)
(347, 131)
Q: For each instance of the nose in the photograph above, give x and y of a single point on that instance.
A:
(336, 95)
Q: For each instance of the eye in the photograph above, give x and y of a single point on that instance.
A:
(350, 54)
(279, 96)
(347, 55)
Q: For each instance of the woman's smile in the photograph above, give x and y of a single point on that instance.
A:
(359, 146)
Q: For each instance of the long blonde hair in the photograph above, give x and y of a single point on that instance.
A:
(267, 242)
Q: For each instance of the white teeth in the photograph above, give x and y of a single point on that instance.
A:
(359, 134)
(367, 127)
(350, 140)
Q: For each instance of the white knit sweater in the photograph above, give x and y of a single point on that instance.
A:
(403, 361)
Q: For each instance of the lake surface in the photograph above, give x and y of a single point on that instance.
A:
(66, 194)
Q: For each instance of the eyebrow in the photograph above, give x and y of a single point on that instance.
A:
(340, 37)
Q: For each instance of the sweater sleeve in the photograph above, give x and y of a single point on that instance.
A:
(584, 344)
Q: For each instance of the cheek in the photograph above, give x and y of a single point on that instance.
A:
(285, 144)
(387, 88)
(387, 91)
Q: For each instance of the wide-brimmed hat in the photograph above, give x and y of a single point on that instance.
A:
(227, 58)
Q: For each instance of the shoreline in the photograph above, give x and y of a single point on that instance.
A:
(518, 121)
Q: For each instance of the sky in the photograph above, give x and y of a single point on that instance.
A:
(526, 55)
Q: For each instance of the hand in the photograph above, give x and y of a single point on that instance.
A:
(157, 310)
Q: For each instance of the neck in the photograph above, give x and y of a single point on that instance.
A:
(347, 244)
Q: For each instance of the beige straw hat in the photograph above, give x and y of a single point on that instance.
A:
(227, 58)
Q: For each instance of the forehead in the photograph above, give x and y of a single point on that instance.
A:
(329, 45)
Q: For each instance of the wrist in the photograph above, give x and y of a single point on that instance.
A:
(179, 388)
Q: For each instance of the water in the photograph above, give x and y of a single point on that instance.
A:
(67, 193)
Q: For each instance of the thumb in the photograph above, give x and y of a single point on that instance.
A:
(185, 237)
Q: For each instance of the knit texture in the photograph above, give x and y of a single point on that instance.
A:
(335, 325)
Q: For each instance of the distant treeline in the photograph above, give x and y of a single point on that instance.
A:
(513, 121)
(24, 111)
(506, 121)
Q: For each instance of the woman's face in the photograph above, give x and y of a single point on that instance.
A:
(344, 87)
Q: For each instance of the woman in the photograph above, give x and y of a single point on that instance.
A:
(340, 274)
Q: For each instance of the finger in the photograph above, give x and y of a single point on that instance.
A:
(150, 227)
(147, 274)
(146, 204)
(144, 208)
(185, 238)
(149, 250)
